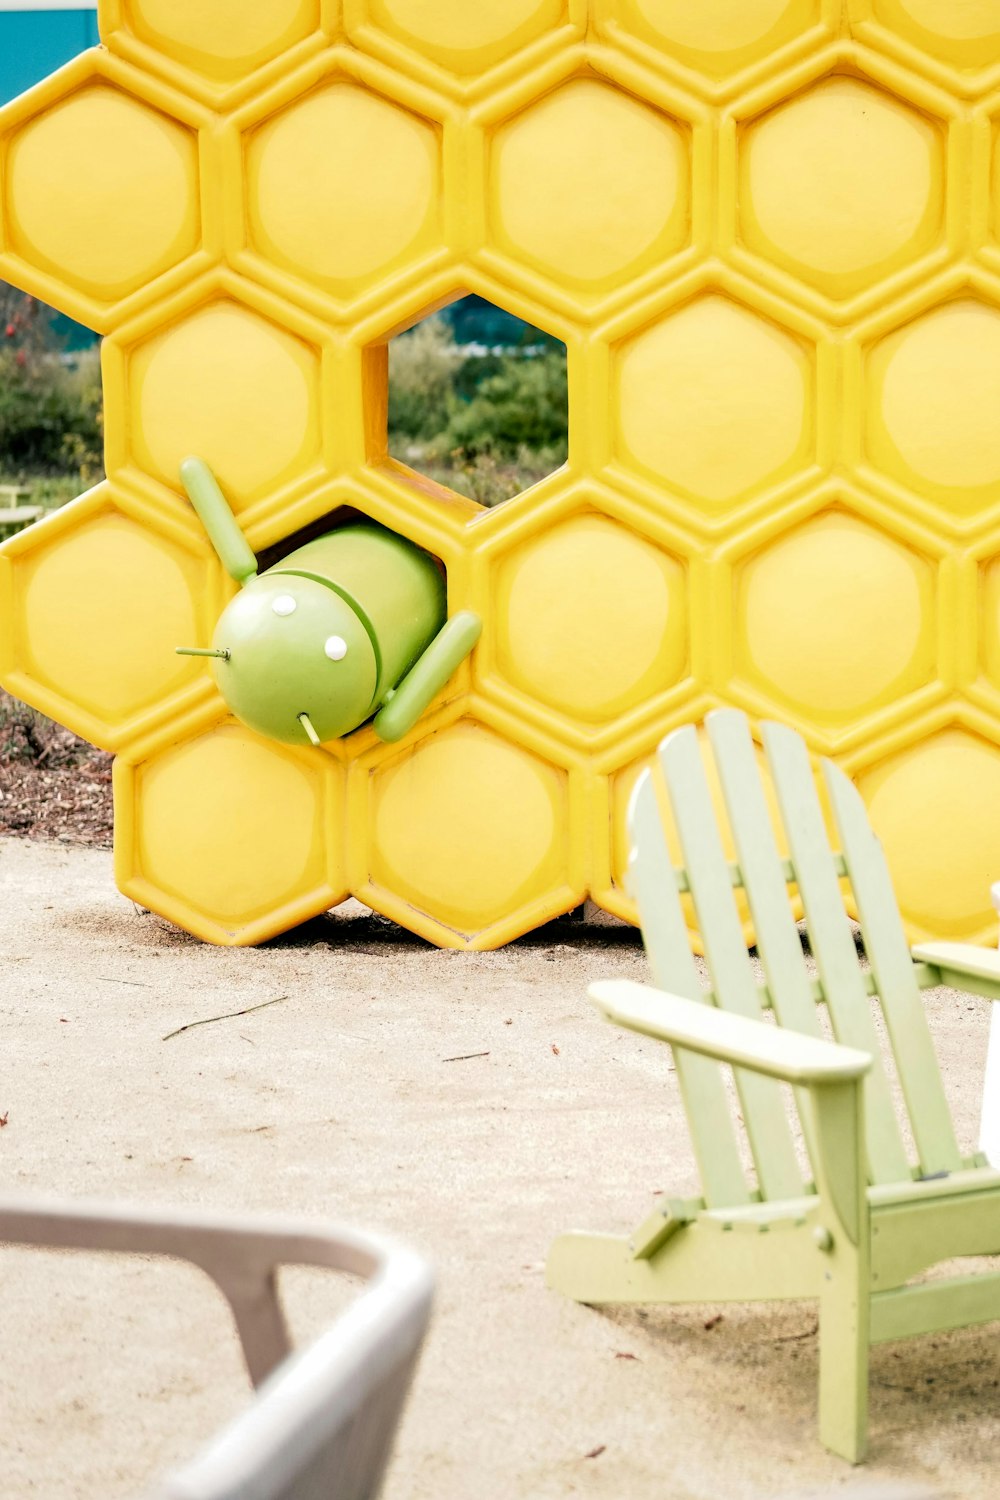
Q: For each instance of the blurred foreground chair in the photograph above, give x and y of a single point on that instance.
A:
(322, 1422)
(861, 1221)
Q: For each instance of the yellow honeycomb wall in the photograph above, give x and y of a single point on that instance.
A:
(768, 233)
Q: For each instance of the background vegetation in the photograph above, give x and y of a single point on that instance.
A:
(478, 401)
(51, 436)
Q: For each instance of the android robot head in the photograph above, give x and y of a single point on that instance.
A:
(294, 657)
(291, 656)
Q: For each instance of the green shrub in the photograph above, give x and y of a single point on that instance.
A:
(488, 424)
(519, 408)
(51, 420)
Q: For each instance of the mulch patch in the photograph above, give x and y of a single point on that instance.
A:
(53, 785)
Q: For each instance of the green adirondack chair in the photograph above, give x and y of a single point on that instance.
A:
(856, 1225)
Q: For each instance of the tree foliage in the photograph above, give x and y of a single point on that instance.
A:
(508, 403)
(50, 404)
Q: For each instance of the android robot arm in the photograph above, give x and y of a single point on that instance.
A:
(349, 627)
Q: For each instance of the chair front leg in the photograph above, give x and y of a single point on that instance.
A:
(844, 1242)
(844, 1318)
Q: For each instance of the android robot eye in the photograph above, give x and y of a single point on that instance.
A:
(336, 648)
(284, 605)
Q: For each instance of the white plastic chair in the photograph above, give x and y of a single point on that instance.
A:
(323, 1419)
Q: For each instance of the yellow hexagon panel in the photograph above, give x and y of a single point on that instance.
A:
(451, 35)
(234, 837)
(942, 881)
(956, 41)
(220, 50)
(842, 185)
(591, 185)
(225, 378)
(766, 234)
(150, 172)
(934, 384)
(591, 618)
(95, 600)
(715, 401)
(333, 219)
(103, 191)
(439, 807)
(835, 618)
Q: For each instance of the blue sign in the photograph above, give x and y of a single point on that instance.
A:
(35, 42)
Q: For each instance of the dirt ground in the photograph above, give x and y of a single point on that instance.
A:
(347, 1100)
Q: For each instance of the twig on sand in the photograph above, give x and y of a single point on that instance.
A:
(465, 1057)
(229, 1016)
(140, 984)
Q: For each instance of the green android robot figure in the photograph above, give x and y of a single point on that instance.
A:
(349, 626)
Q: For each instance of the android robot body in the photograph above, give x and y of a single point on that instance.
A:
(349, 626)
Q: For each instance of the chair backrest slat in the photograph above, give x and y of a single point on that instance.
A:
(765, 874)
(664, 932)
(895, 978)
(832, 941)
(732, 976)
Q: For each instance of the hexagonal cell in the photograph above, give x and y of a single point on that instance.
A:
(477, 402)
(229, 835)
(468, 827)
(232, 386)
(622, 786)
(102, 196)
(936, 809)
(591, 618)
(934, 389)
(98, 598)
(964, 33)
(841, 185)
(591, 185)
(835, 618)
(715, 37)
(220, 44)
(342, 186)
(714, 400)
(460, 37)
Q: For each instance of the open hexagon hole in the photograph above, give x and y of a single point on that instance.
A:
(51, 435)
(334, 514)
(476, 402)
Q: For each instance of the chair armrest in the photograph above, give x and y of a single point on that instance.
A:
(963, 966)
(242, 1255)
(325, 1415)
(790, 1056)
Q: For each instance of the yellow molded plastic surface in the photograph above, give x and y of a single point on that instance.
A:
(230, 834)
(591, 618)
(466, 822)
(766, 233)
(584, 142)
(235, 388)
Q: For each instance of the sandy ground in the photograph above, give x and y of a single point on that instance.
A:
(339, 1102)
